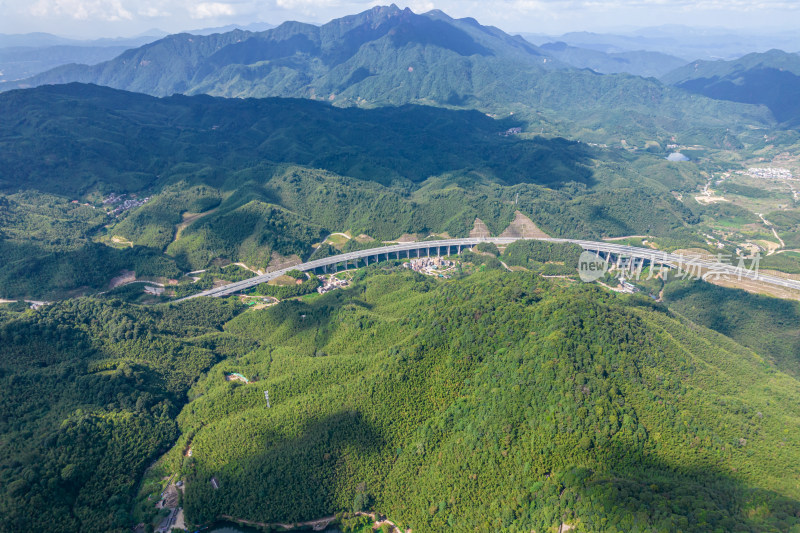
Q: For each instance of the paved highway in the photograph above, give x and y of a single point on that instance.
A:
(446, 246)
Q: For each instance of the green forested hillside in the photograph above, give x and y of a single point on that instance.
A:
(258, 180)
(89, 391)
(76, 138)
(46, 248)
(497, 402)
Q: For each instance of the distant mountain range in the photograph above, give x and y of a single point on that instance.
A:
(25, 55)
(679, 41)
(42, 40)
(298, 57)
(389, 56)
(254, 26)
(639, 63)
(18, 62)
(771, 79)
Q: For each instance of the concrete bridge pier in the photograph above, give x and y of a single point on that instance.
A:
(599, 253)
(639, 267)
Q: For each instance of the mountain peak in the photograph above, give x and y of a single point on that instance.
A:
(383, 12)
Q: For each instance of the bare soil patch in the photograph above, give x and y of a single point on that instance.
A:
(188, 218)
(479, 230)
(523, 228)
(125, 277)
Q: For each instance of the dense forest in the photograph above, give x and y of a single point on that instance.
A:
(89, 392)
(497, 401)
(259, 181)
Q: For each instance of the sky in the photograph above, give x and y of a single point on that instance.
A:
(111, 18)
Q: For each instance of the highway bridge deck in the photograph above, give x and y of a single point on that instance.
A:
(446, 247)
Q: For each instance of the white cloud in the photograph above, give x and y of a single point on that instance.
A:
(109, 10)
(152, 11)
(421, 6)
(210, 10)
(294, 4)
(614, 5)
(545, 16)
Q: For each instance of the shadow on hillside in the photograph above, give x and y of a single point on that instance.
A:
(416, 142)
(642, 492)
(293, 478)
(769, 326)
(32, 271)
(775, 88)
(438, 33)
(384, 145)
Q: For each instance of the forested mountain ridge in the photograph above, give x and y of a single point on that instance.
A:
(186, 63)
(640, 63)
(389, 56)
(274, 176)
(89, 137)
(499, 400)
(771, 78)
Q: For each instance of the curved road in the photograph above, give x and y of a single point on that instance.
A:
(434, 247)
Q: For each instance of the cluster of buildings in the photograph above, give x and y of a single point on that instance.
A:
(124, 204)
(431, 266)
(330, 283)
(511, 131)
(112, 199)
(169, 500)
(627, 287)
(768, 173)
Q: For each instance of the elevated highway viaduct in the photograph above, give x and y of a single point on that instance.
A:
(630, 257)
